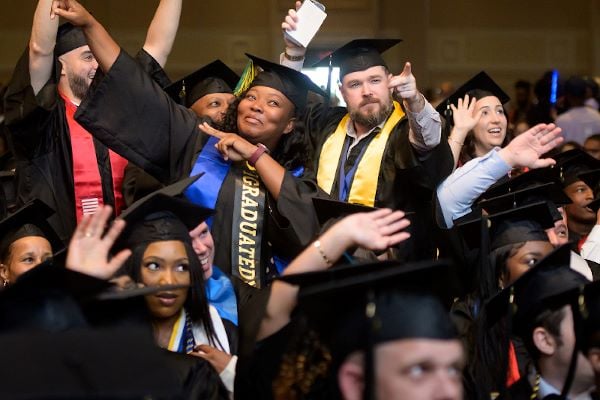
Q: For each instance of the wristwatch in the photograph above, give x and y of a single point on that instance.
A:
(260, 150)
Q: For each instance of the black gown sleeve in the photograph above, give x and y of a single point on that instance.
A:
(128, 112)
(29, 118)
(294, 217)
(153, 68)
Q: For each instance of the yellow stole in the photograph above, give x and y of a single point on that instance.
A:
(364, 184)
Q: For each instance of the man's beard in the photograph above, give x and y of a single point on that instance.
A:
(79, 85)
(373, 118)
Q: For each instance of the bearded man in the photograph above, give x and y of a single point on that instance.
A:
(385, 149)
(58, 161)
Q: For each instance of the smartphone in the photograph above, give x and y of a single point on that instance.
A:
(311, 15)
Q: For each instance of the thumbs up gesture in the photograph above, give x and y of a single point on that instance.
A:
(404, 86)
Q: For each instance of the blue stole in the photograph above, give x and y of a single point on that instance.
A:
(205, 191)
(219, 292)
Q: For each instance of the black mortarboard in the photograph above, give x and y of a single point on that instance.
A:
(29, 220)
(291, 83)
(160, 216)
(573, 163)
(328, 209)
(538, 288)
(215, 77)
(530, 178)
(358, 55)
(548, 285)
(358, 306)
(479, 86)
(85, 363)
(549, 192)
(516, 225)
(68, 37)
(340, 293)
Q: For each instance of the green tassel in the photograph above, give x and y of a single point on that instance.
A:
(246, 79)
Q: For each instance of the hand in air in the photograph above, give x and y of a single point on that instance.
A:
(89, 248)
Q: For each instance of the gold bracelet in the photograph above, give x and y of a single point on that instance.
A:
(454, 141)
(317, 244)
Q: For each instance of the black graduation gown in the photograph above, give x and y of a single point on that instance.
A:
(405, 181)
(133, 116)
(39, 138)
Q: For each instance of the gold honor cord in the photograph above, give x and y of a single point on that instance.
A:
(364, 184)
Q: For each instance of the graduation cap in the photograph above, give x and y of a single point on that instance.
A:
(291, 83)
(549, 192)
(530, 178)
(52, 298)
(548, 285)
(85, 363)
(479, 86)
(29, 220)
(68, 37)
(573, 163)
(359, 306)
(160, 216)
(328, 209)
(543, 286)
(358, 55)
(516, 225)
(215, 77)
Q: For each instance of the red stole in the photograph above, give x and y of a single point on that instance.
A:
(512, 374)
(86, 175)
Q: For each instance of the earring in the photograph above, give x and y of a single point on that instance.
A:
(5, 282)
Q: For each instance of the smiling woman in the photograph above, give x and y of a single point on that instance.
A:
(162, 255)
(478, 118)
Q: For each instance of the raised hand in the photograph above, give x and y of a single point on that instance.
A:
(231, 146)
(526, 149)
(289, 24)
(465, 117)
(404, 86)
(72, 11)
(376, 230)
(89, 250)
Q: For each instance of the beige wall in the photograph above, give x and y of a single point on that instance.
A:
(445, 40)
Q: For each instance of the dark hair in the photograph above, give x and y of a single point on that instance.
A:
(196, 303)
(291, 150)
(490, 276)
(468, 151)
(488, 368)
(306, 366)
